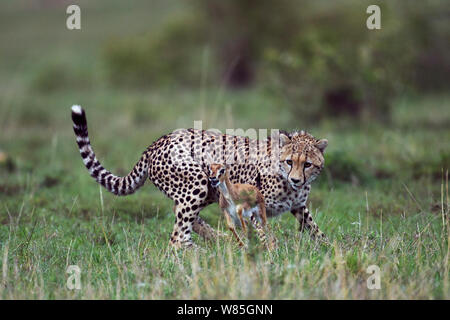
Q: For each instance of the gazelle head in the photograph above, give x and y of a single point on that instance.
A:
(217, 174)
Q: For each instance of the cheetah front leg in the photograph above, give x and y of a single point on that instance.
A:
(261, 232)
(306, 222)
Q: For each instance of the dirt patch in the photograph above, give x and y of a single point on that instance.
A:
(10, 190)
(6, 162)
(437, 208)
(50, 182)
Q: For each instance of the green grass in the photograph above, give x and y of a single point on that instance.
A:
(54, 215)
(382, 199)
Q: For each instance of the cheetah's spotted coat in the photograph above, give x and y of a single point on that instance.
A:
(176, 165)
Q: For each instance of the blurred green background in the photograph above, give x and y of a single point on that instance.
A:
(144, 68)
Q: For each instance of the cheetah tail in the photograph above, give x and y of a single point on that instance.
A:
(118, 185)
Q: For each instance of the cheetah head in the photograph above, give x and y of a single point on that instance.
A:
(301, 158)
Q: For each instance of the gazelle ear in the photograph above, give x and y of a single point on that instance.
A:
(284, 140)
(322, 144)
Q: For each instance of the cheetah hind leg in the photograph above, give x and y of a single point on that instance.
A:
(181, 234)
(203, 229)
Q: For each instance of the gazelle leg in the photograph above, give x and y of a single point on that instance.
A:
(230, 225)
(240, 212)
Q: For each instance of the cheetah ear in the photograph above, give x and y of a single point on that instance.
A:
(322, 144)
(284, 140)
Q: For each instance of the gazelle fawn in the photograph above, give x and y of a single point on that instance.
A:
(239, 201)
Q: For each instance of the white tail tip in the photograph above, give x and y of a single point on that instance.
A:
(77, 109)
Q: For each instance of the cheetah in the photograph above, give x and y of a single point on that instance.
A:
(239, 201)
(281, 167)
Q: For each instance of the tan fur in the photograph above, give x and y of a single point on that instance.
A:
(243, 197)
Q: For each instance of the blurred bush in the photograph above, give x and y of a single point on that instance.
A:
(170, 55)
(342, 167)
(240, 30)
(318, 55)
(335, 66)
(428, 25)
(436, 167)
(54, 76)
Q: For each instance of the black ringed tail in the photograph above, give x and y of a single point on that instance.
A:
(118, 185)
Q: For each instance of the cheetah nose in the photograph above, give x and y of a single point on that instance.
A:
(295, 181)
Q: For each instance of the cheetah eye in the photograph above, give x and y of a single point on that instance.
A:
(289, 162)
(307, 164)
(222, 171)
